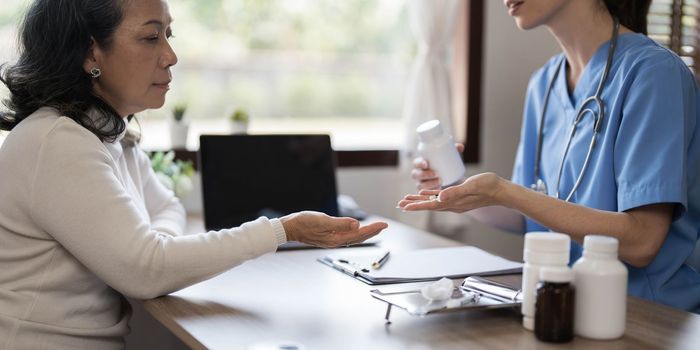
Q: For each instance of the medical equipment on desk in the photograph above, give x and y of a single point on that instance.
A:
(474, 293)
(539, 184)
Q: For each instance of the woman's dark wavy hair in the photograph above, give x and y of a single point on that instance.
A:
(54, 39)
(631, 13)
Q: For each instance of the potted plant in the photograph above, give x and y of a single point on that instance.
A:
(179, 127)
(174, 174)
(239, 120)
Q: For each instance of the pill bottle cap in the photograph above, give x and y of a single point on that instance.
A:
(547, 242)
(430, 130)
(600, 244)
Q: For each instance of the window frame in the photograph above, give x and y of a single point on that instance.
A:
(675, 35)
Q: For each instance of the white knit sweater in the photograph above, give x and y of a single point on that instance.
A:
(83, 223)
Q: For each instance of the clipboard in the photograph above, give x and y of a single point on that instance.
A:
(487, 294)
(421, 265)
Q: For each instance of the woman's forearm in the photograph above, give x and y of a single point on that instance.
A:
(641, 231)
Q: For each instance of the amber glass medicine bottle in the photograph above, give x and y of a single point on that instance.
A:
(554, 305)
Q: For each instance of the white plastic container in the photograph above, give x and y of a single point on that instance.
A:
(438, 148)
(542, 249)
(601, 290)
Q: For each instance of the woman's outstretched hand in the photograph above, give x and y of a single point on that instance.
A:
(475, 192)
(325, 231)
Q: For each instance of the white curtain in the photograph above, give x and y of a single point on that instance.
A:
(428, 94)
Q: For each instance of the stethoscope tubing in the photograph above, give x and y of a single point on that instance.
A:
(538, 184)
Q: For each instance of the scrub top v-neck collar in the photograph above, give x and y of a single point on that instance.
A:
(588, 81)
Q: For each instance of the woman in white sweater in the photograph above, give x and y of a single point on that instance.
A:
(83, 220)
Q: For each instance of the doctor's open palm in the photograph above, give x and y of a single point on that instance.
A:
(475, 192)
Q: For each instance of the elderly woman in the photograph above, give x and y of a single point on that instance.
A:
(83, 220)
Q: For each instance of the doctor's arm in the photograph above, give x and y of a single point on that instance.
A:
(641, 231)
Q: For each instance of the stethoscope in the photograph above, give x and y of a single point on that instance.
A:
(539, 184)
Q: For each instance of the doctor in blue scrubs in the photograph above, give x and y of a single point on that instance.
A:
(610, 144)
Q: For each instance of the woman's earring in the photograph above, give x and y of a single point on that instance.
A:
(95, 72)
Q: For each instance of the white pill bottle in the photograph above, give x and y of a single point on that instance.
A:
(542, 249)
(601, 290)
(438, 148)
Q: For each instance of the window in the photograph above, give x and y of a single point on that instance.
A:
(300, 66)
(674, 24)
(294, 66)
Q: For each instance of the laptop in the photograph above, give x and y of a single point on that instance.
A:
(248, 176)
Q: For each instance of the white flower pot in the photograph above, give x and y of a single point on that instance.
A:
(183, 186)
(178, 134)
(238, 127)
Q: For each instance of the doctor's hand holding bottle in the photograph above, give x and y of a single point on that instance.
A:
(427, 178)
(473, 195)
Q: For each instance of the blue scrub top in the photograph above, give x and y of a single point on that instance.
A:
(648, 151)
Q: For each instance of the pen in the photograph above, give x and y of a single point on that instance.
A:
(379, 263)
(344, 266)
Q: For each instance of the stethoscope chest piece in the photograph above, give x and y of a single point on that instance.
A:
(539, 186)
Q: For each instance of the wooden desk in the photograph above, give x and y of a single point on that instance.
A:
(289, 297)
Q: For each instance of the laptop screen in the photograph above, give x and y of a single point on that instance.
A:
(248, 176)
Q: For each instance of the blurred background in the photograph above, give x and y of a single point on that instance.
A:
(325, 66)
